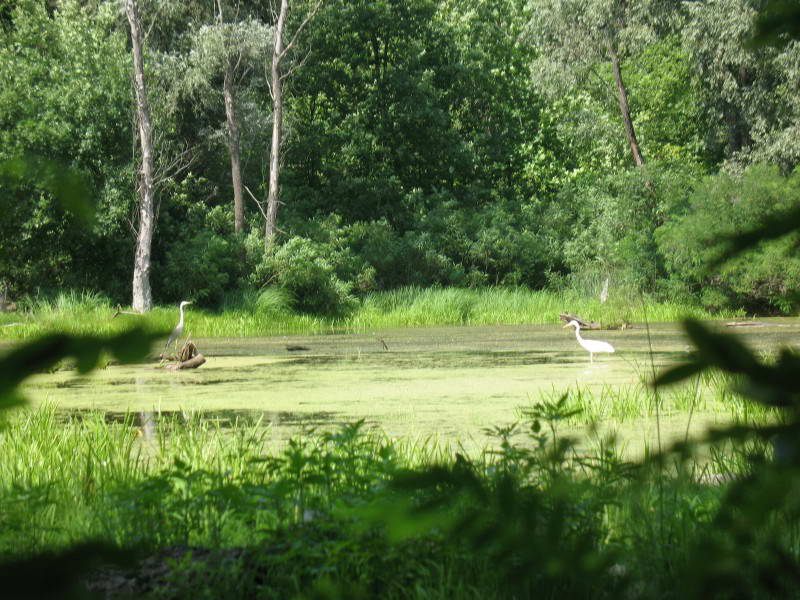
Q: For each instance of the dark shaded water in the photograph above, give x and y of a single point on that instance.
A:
(220, 418)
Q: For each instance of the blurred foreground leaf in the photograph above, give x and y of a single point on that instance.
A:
(45, 352)
(540, 541)
(679, 373)
(57, 575)
(67, 185)
(777, 24)
(774, 384)
(772, 228)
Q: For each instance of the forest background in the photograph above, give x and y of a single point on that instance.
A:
(548, 144)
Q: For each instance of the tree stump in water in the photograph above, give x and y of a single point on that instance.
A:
(188, 358)
(566, 317)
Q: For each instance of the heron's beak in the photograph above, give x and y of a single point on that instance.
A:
(567, 325)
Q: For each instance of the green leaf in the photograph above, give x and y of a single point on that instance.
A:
(57, 575)
(43, 353)
(29, 358)
(679, 373)
(86, 353)
(66, 184)
(724, 351)
(777, 24)
(12, 400)
(771, 228)
(133, 345)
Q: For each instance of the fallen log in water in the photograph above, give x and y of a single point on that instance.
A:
(192, 363)
(566, 317)
(745, 324)
(297, 348)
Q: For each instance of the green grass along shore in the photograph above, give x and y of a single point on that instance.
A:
(269, 312)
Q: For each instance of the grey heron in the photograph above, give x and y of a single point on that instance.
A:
(591, 346)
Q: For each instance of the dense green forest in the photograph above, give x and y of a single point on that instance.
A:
(536, 143)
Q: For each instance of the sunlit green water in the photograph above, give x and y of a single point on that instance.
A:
(447, 383)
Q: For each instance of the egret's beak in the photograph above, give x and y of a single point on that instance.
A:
(567, 325)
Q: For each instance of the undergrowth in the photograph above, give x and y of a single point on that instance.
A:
(270, 312)
(349, 513)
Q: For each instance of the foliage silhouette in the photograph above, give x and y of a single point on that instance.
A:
(67, 185)
(57, 574)
(24, 578)
(750, 554)
(777, 23)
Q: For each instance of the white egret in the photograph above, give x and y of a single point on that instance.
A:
(591, 346)
(178, 331)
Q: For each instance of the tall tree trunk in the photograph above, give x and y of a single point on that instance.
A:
(142, 294)
(622, 95)
(234, 147)
(277, 130)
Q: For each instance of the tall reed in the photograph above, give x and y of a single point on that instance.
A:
(269, 312)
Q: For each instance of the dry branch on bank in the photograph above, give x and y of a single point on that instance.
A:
(119, 311)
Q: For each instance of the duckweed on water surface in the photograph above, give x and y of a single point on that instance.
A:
(444, 382)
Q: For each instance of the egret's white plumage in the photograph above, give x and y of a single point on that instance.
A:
(178, 331)
(591, 346)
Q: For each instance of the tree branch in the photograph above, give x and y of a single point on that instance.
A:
(296, 66)
(305, 22)
(261, 208)
(181, 161)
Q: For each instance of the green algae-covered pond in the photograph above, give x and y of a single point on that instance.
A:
(446, 383)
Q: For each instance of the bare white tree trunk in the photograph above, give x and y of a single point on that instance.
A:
(278, 53)
(235, 150)
(142, 294)
(277, 129)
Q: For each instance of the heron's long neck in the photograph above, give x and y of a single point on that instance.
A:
(180, 322)
(577, 331)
